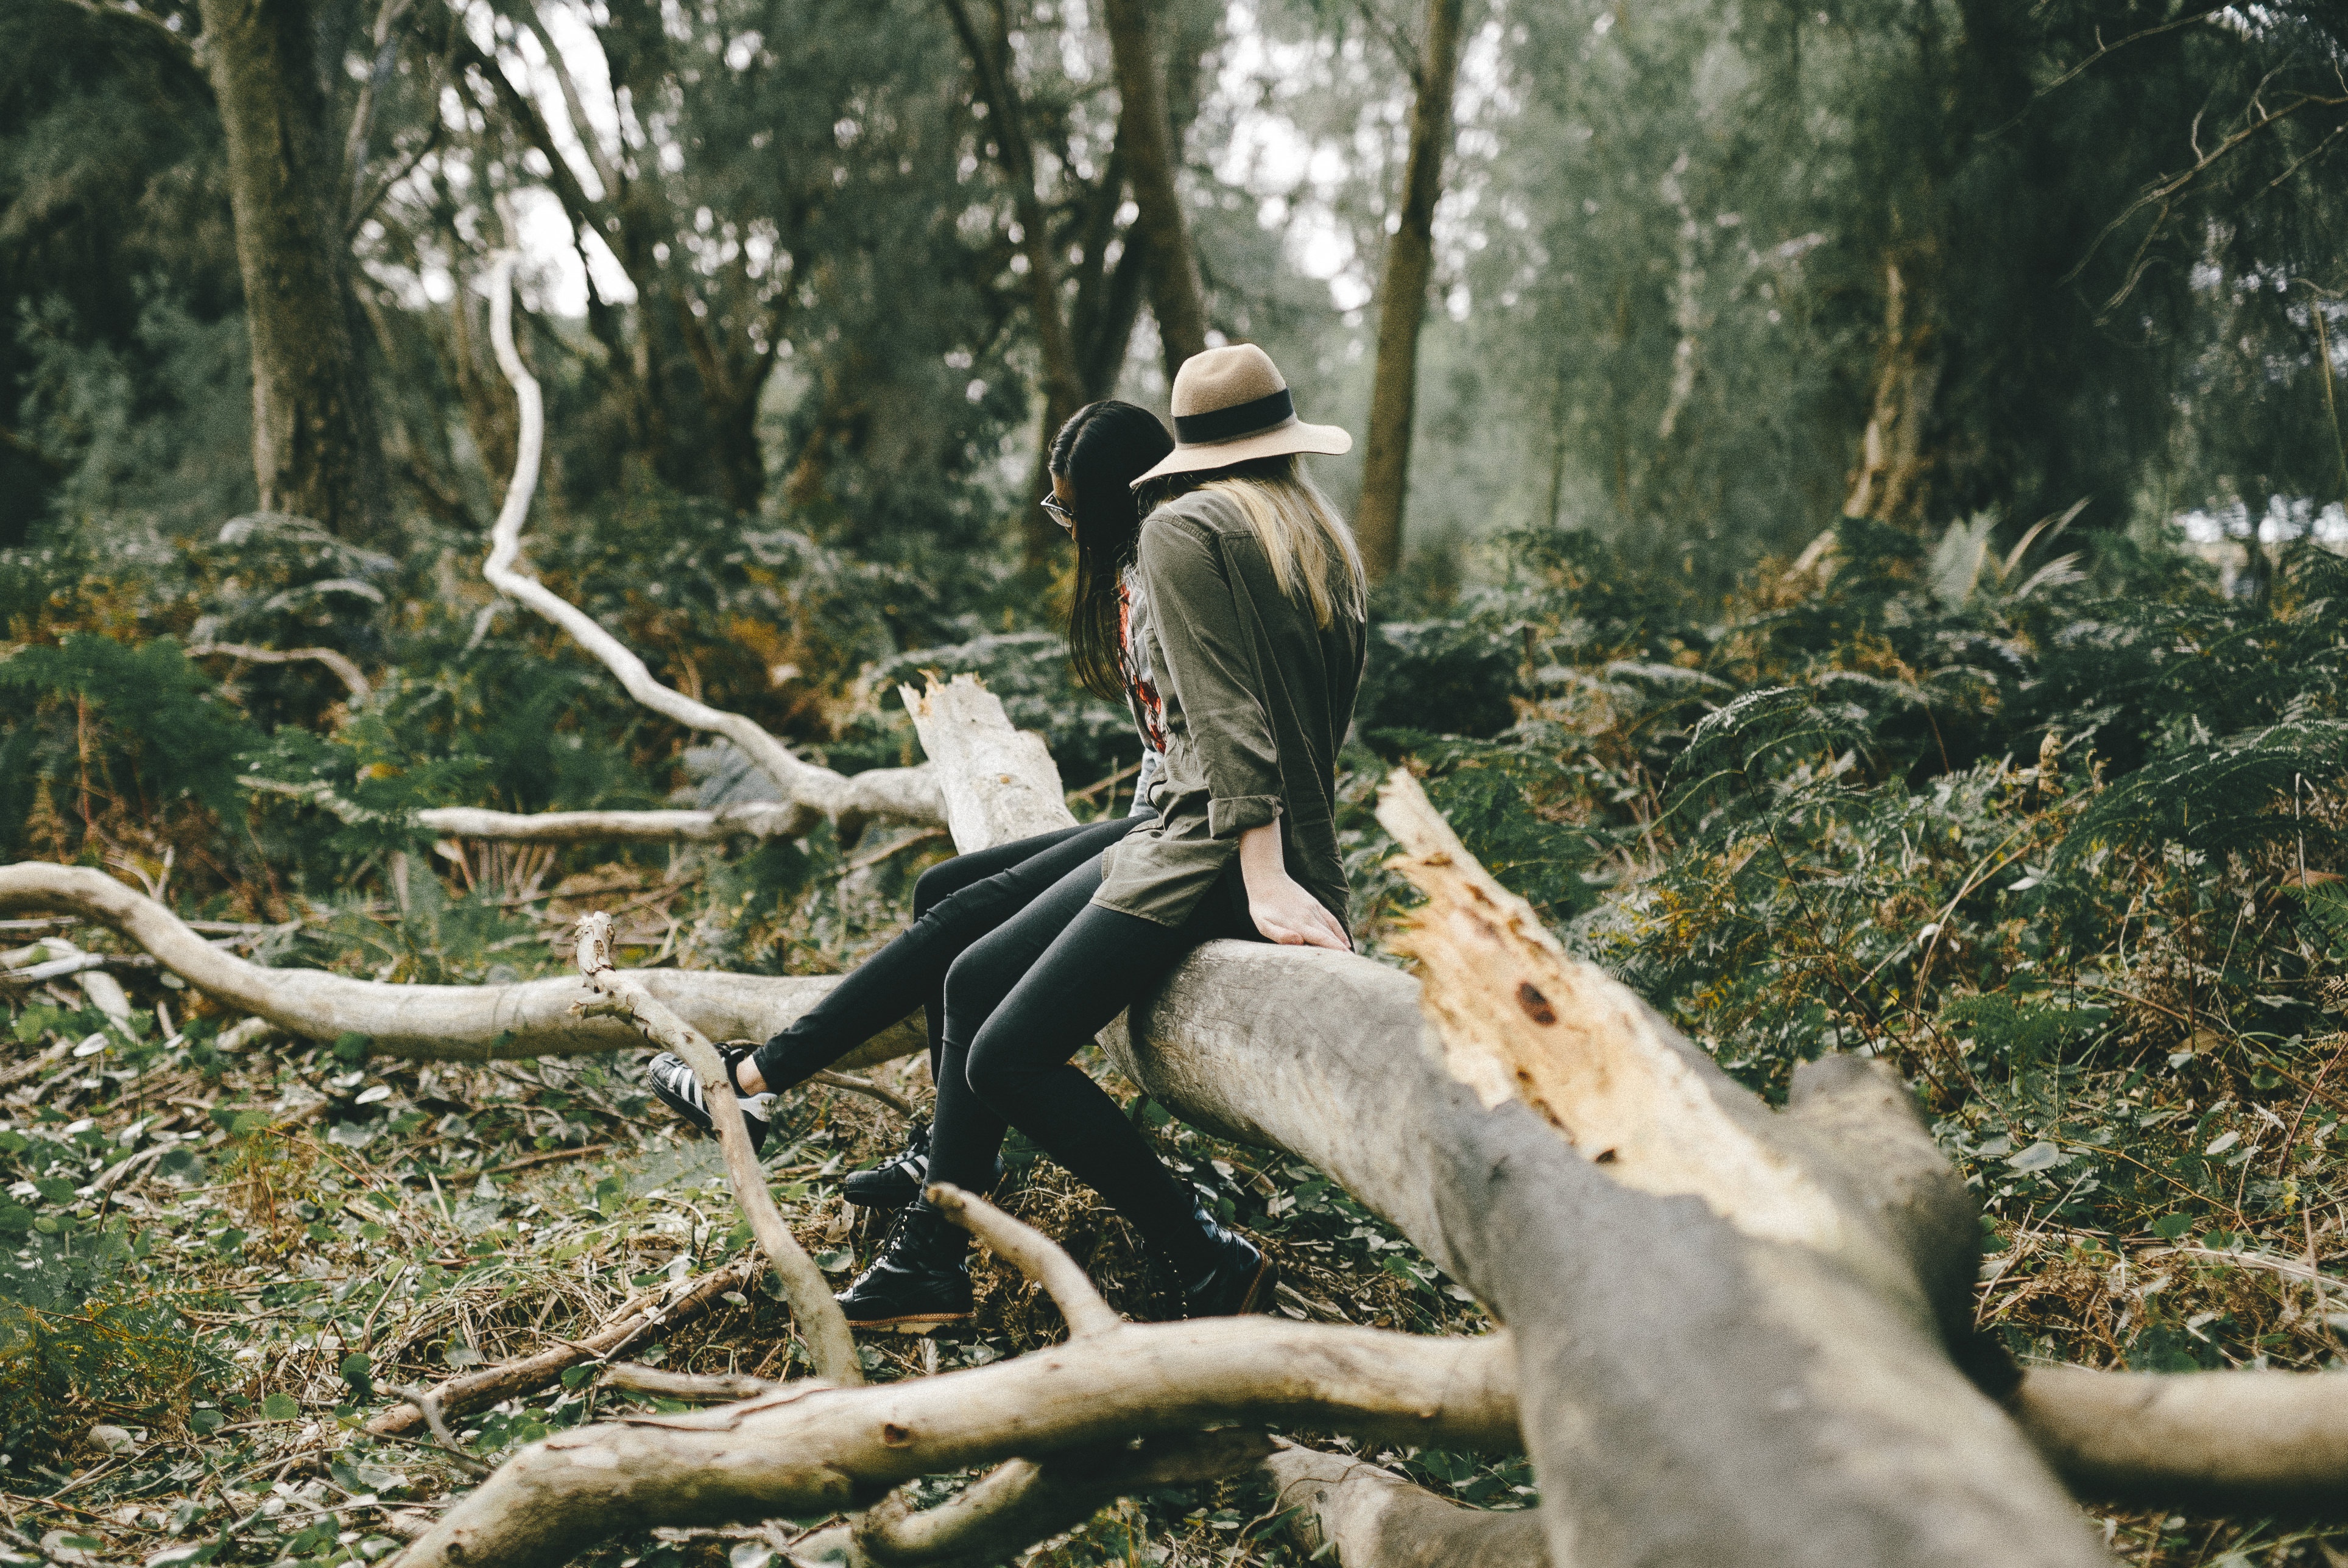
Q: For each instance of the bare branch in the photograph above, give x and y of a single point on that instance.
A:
(754, 819)
(670, 1305)
(898, 794)
(1033, 1253)
(820, 1321)
(714, 1387)
(1023, 1500)
(866, 1087)
(804, 1448)
(1369, 1517)
(468, 1023)
(345, 670)
(2232, 1442)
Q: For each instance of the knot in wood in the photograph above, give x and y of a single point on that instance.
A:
(1536, 1005)
(894, 1436)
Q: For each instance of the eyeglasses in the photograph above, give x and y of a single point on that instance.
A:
(1060, 514)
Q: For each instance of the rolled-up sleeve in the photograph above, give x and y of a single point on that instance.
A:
(1211, 667)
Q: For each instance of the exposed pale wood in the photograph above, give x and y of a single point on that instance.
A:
(757, 819)
(470, 1023)
(821, 1323)
(2231, 1442)
(996, 783)
(895, 794)
(1365, 1516)
(1520, 1020)
(807, 1448)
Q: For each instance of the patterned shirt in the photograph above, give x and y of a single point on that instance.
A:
(1140, 685)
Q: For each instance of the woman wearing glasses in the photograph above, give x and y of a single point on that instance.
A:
(1233, 622)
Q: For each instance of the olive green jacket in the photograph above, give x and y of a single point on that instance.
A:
(1257, 700)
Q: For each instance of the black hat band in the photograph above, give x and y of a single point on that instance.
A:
(1230, 423)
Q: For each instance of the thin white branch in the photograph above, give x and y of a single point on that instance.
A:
(345, 670)
(898, 794)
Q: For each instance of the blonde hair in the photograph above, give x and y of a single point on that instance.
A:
(1301, 535)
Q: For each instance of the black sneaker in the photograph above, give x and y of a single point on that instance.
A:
(900, 1178)
(895, 1182)
(680, 1091)
(919, 1282)
(1241, 1282)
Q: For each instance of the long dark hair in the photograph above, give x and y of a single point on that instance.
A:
(1100, 451)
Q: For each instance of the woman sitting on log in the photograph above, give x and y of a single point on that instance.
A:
(1232, 618)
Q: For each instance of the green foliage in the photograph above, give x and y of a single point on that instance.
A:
(85, 1331)
(136, 724)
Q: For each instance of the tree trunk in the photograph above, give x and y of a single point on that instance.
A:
(1402, 300)
(1145, 134)
(990, 59)
(315, 451)
(1891, 482)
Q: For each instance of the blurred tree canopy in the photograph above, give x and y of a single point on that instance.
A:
(1706, 278)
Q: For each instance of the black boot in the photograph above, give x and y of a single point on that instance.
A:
(680, 1091)
(920, 1279)
(900, 1178)
(1241, 1280)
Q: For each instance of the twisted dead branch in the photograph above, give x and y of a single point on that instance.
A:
(820, 1322)
(348, 673)
(1067, 1413)
(887, 794)
(665, 1308)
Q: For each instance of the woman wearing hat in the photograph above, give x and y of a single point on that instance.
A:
(1239, 605)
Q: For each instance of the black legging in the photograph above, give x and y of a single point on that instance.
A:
(955, 902)
(1020, 1002)
(1018, 970)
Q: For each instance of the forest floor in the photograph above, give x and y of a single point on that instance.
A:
(232, 1259)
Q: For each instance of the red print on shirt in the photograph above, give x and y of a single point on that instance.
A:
(1146, 705)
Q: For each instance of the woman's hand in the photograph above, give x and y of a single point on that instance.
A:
(1283, 910)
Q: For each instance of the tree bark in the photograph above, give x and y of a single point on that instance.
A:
(1891, 481)
(990, 59)
(315, 449)
(1364, 1515)
(1145, 134)
(1402, 299)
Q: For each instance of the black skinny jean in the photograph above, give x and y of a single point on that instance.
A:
(1019, 969)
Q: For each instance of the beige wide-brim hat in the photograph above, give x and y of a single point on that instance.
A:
(1231, 405)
